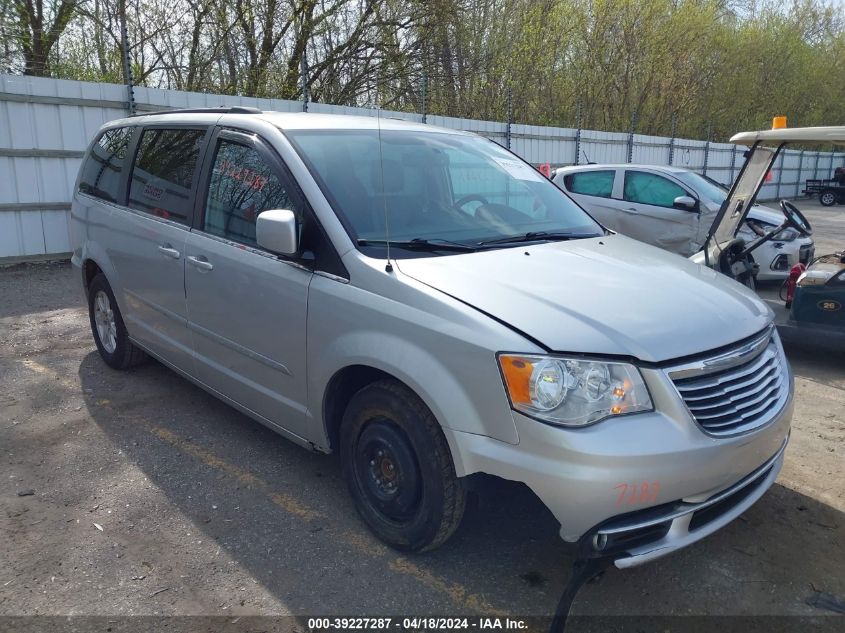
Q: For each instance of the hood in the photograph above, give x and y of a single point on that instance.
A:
(609, 295)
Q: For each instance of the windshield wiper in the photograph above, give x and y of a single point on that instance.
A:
(420, 244)
(536, 236)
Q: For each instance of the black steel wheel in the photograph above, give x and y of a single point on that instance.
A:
(399, 469)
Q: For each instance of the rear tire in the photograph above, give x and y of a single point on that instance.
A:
(108, 328)
(827, 198)
(399, 469)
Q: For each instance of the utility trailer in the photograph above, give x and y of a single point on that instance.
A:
(830, 191)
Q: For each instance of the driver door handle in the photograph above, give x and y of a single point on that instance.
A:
(202, 264)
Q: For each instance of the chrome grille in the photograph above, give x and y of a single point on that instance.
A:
(736, 391)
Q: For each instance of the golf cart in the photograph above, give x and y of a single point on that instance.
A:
(813, 307)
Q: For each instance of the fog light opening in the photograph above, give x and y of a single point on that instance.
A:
(781, 262)
(599, 542)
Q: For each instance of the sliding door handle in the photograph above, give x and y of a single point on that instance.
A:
(169, 251)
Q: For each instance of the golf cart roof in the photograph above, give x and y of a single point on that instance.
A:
(830, 134)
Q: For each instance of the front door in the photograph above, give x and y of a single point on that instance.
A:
(647, 213)
(247, 307)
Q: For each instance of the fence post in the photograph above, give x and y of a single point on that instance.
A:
(303, 72)
(780, 173)
(424, 97)
(800, 168)
(672, 139)
(733, 163)
(577, 133)
(816, 165)
(631, 138)
(510, 118)
(707, 149)
(127, 66)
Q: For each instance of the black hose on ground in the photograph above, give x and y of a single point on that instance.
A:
(583, 570)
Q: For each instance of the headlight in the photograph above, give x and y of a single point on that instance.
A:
(787, 235)
(571, 391)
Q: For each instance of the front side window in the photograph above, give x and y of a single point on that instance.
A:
(164, 173)
(591, 183)
(103, 167)
(704, 186)
(646, 188)
(242, 185)
(419, 185)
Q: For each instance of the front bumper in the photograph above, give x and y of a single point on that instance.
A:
(643, 537)
(679, 473)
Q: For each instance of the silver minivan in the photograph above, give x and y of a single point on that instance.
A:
(427, 305)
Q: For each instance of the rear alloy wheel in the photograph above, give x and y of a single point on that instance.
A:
(104, 321)
(827, 198)
(108, 328)
(399, 469)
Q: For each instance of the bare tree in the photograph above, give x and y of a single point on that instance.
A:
(38, 29)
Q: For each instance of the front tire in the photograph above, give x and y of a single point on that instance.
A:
(108, 328)
(399, 469)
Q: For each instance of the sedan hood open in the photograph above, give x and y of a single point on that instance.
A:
(609, 295)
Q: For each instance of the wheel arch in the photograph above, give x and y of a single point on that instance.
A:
(93, 260)
(465, 395)
(342, 386)
(90, 269)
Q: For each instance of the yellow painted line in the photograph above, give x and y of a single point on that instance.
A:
(457, 593)
(43, 370)
(362, 542)
(284, 501)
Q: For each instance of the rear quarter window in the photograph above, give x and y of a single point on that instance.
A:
(104, 165)
(591, 183)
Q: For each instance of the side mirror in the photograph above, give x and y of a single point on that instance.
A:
(687, 203)
(275, 230)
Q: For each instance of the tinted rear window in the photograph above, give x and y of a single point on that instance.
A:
(164, 173)
(591, 183)
(103, 167)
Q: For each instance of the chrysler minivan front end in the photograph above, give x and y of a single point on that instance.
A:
(704, 441)
(428, 306)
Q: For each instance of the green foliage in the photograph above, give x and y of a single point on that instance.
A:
(710, 65)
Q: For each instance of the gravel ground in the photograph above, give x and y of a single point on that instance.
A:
(136, 493)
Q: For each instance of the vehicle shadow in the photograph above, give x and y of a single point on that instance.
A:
(283, 514)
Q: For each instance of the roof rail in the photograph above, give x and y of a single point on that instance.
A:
(217, 110)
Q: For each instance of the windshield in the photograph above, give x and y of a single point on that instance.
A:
(703, 186)
(743, 192)
(435, 187)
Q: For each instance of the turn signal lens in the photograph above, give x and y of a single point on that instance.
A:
(517, 372)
